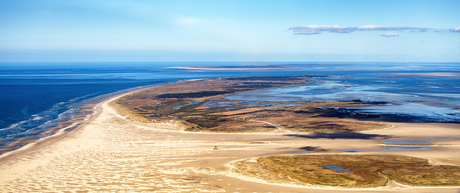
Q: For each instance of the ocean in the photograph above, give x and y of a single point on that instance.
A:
(34, 97)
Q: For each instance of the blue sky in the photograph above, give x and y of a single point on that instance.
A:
(214, 30)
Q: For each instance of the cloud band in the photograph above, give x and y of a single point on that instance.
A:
(457, 29)
(390, 34)
(318, 29)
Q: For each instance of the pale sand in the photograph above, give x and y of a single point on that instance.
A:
(110, 153)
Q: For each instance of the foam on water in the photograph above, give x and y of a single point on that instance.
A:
(45, 120)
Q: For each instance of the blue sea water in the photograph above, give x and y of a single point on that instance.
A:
(34, 96)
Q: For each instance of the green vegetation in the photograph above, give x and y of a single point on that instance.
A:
(184, 102)
(193, 94)
(275, 78)
(365, 170)
(412, 144)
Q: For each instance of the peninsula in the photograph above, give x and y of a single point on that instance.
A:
(186, 137)
(201, 106)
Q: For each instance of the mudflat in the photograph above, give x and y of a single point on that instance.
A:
(111, 153)
(114, 152)
(201, 106)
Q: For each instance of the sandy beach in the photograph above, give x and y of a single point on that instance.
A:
(110, 153)
(256, 96)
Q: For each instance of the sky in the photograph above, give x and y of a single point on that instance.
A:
(231, 30)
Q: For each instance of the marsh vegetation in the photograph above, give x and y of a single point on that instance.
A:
(356, 171)
(199, 105)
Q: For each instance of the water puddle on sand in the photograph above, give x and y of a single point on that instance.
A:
(178, 107)
(407, 141)
(260, 105)
(223, 103)
(338, 169)
(390, 146)
(290, 105)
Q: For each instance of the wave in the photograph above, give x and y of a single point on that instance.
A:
(41, 122)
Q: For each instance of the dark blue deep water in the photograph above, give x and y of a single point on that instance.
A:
(34, 96)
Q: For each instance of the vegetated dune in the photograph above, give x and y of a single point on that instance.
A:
(351, 171)
(186, 103)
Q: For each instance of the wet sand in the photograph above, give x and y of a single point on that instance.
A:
(110, 153)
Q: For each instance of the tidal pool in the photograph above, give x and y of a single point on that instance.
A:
(338, 169)
(178, 107)
(225, 103)
(407, 141)
(388, 148)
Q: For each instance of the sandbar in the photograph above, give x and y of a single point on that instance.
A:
(112, 153)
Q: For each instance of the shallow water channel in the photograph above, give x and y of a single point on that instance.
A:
(389, 147)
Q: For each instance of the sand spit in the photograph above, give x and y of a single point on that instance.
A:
(110, 153)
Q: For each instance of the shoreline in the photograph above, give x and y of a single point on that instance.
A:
(85, 113)
(148, 157)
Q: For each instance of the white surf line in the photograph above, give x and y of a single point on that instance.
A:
(58, 133)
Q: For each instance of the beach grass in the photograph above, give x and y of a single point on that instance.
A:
(412, 144)
(184, 103)
(363, 171)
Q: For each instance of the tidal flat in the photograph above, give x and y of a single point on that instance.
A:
(147, 141)
(201, 106)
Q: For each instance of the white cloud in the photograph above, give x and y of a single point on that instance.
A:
(318, 29)
(456, 29)
(385, 28)
(390, 34)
